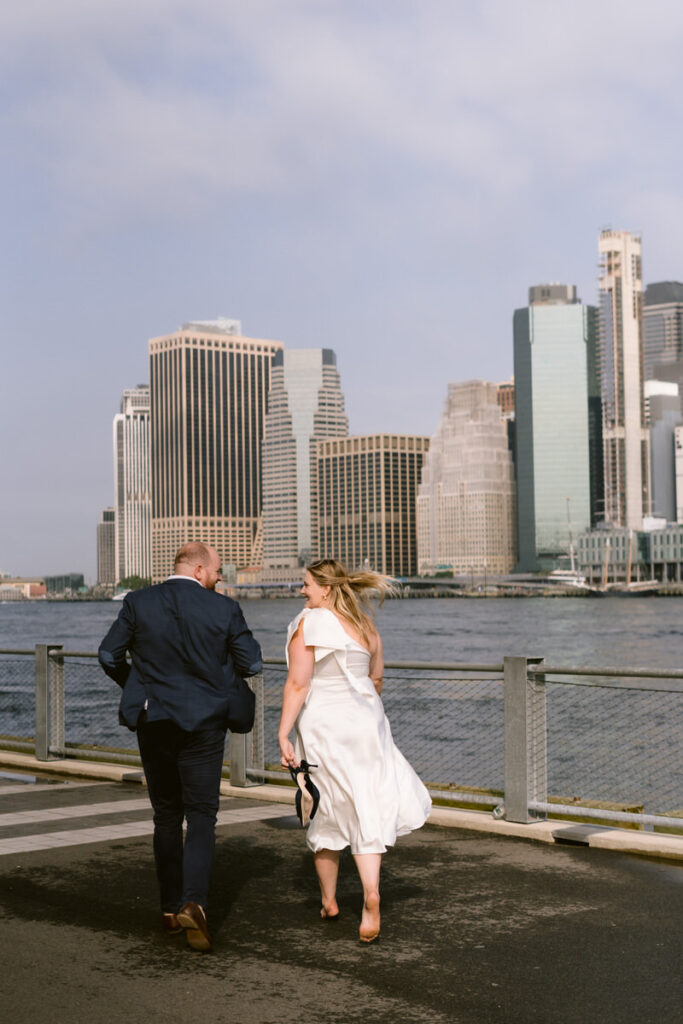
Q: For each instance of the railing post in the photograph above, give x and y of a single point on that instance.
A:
(44, 700)
(57, 737)
(525, 738)
(256, 747)
(238, 759)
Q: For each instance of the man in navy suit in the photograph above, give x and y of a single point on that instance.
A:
(186, 643)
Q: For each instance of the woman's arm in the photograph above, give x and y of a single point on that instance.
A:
(301, 663)
(377, 663)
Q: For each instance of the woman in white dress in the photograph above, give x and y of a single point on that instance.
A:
(369, 794)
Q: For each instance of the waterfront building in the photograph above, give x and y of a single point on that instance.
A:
(618, 555)
(665, 553)
(663, 414)
(558, 441)
(466, 499)
(662, 326)
(678, 471)
(69, 583)
(22, 588)
(613, 555)
(625, 440)
(367, 489)
(208, 391)
(305, 405)
(106, 548)
(132, 496)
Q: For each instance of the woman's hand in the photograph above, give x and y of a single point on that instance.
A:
(288, 758)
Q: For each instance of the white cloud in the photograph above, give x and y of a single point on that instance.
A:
(166, 108)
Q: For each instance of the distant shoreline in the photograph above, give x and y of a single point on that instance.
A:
(435, 593)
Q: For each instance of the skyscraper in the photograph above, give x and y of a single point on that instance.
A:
(106, 548)
(466, 500)
(558, 442)
(132, 497)
(367, 488)
(208, 390)
(620, 365)
(305, 404)
(662, 325)
(663, 408)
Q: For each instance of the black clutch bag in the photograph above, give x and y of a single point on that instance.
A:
(241, 706)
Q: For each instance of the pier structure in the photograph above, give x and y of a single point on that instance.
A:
(523, 741)
(508, 906)
(475, 926)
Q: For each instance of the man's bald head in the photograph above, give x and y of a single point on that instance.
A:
(200, 562)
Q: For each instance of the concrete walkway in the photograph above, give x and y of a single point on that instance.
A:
(476, 928)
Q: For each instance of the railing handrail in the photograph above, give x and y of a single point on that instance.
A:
(542, 669)
(526, 685)
(440, 666)
(636, 673)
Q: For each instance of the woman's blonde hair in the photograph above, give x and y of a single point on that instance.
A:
(350, 592)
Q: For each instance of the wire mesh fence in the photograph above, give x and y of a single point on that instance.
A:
(17, 696)
(449, 726)
(613, 743)
(92, 703)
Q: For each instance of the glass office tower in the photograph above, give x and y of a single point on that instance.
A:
(662, 326)
(558, 442)
(305, 405)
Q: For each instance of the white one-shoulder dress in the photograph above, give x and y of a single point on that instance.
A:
(369, 794)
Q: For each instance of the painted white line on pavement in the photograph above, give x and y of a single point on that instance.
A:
(126, 830)
(30, 787)
(72, 811)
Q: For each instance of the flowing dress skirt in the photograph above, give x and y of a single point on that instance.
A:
(369, 794)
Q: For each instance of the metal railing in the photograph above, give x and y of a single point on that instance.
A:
(520, 738)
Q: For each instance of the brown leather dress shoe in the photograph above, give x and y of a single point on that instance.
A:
(193, 919)
(170, 924)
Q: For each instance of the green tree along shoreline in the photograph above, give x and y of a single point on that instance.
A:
(133, 582)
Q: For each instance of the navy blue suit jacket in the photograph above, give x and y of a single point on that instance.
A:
(186, 643)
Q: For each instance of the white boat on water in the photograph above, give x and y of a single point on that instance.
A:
(567, 577)
(120, 596)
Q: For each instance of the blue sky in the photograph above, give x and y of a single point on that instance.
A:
(385, 179)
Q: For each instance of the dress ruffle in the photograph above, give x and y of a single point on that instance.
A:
(325, 634)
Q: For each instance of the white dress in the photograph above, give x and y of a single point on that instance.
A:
(369, 794)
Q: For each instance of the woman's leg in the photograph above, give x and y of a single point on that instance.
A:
(369, 865)
(327, 868)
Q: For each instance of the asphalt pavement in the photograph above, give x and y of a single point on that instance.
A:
(476, 928)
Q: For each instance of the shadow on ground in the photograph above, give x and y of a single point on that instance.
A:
(475, 929)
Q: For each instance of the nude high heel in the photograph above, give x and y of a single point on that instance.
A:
(308, 794)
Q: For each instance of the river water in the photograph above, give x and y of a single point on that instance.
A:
(602, 744)
(619, 631)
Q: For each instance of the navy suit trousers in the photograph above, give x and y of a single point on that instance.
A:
(183, 772)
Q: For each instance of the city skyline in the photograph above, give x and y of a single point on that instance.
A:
(305, 182)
